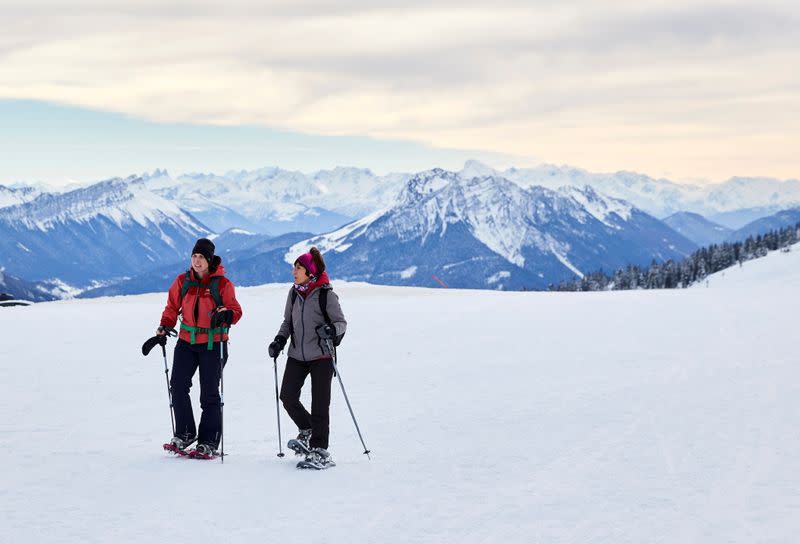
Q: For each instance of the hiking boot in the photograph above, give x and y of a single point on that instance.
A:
(300, 445)
(178, 444)
(318, 458)
(204, 451)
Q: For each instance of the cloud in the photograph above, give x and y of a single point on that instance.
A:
(603, 85)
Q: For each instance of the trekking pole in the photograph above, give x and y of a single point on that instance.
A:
(339, 375)
(277, 407)
(148, 345)
(169, 389)
(221, 401)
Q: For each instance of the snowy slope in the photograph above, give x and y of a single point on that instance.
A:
(779, 269)
(657, 417)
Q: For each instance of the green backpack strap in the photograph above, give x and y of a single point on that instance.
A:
(187, 282)
(213, 287)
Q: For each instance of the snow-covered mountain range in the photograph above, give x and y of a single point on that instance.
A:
(273, 200)
(488, 232)
(516, 228)
(12, 196)
(110, 229)
(723, 203)
(25, 290)
(697, 228)
(780, 220)
(276, 201)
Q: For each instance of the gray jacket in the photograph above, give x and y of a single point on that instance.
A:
(305, 315)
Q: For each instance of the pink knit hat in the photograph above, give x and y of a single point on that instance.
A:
(307, 262)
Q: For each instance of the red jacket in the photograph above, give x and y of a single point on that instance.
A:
(199, 302)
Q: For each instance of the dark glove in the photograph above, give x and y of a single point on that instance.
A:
(326, 331)
(165, 331)
(276, 347)
(150, 343)
(224, 317)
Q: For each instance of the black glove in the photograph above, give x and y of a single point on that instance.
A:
(276, 347)
(326, 331)
(166, 331)
(224, 317)
(150, 343)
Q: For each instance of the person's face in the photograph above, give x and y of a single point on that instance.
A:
(199, 264)
(300, 274)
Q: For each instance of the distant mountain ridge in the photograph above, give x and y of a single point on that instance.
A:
(26, 290)
(10, 196)
(697, 228)
(525, 227)
(488, 232)
(662, 197)
(272, 200)
(780, 220)
(275, 201)
(113, 228)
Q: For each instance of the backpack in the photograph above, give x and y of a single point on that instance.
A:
(213, 287)
(323, 306)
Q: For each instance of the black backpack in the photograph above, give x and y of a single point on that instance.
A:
(323, 306)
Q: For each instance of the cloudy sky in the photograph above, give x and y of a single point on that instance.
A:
(690, 90)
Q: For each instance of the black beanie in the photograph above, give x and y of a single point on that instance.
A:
(204, 247)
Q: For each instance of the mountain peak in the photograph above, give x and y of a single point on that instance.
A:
(155, 174)
(476, 169)
(600, 206)
(424, 184)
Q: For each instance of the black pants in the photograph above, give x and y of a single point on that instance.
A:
(187, 359)
(319, 419)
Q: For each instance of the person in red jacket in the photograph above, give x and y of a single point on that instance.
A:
(206, 301)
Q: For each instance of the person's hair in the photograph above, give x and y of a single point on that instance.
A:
(215, 262)
(318, 260)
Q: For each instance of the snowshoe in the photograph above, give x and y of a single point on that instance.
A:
(178, 445)
(204, 451)
(317, 459)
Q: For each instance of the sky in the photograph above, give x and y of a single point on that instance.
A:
(697, 90)
(59, 146)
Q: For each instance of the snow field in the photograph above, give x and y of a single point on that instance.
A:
(662, 416)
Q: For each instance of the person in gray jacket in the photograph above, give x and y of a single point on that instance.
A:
(307, 326)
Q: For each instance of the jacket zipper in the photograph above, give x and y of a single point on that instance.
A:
(302, 327)
(195, 312)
